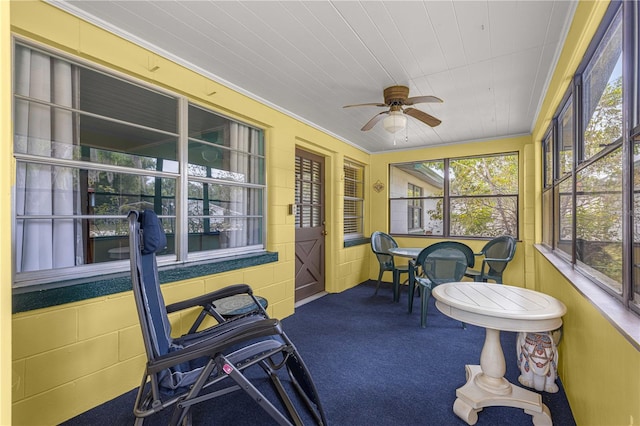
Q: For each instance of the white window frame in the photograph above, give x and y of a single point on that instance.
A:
(82, 272)
(353, 193)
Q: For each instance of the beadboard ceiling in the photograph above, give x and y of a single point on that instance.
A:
(490, 61)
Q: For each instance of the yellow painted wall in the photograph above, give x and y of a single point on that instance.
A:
(599, 368)
(6, 178)
(70, 358)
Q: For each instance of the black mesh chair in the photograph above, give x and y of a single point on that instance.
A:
(380, 245)
(438, 263)
(497, 254)
(210, 362)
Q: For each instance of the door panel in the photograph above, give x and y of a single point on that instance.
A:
(310, 220)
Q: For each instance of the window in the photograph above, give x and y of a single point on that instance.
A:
(565, 138)
(563, 215)
(635, 253)
(602, 92)
(461, 197)
(353, 200)
(547, 221)
(598, 190)
(90, 146)
(414, 208)
(548, 149)
(309, 193)
(484, 196)
(548, 177)
(599, 219)
(635, 158)
(589, 221)
(428, 177)
(225, 183)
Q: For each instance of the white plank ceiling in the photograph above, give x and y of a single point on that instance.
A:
(490, 61)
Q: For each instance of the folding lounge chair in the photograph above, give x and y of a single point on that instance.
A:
(209, 363)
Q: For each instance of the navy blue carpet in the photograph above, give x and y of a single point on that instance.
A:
(372, 365)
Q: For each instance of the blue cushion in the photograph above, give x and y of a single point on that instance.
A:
(153, 237)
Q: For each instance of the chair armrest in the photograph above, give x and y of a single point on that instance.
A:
(490, 259)
(413, 269)
(217, 340)
(425, 281)
(413, 263)
(206, 299)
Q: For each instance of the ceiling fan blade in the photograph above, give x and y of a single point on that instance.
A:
(421, 100)
(369, 104)
(422, 116)
(373, 121)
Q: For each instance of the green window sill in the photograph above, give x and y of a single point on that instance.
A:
(74, 291)
(356, 242)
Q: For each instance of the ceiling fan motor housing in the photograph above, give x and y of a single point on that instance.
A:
(395, 95)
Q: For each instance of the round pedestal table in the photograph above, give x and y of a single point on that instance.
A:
(497, 307)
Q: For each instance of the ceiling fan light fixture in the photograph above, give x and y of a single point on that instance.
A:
(394, 122)
(394, 119)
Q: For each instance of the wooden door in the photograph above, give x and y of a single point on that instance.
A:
(310, 221)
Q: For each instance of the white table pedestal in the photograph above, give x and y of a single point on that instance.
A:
(486, 387)
(497, 307)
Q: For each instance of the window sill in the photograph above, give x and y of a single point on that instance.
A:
(625, 321)
(37, 297)
(356, 242)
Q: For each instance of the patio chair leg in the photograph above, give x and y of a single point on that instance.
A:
(378, 283)
(411, 293)
(396, 285)
(425, 294)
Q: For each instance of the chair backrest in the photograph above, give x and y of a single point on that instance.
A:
(146, 238)
(468, 251)
(443, 262)
(380, 245)
(504, 248)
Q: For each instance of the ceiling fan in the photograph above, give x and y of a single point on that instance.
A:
(396, 98)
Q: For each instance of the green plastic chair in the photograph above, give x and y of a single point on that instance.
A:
(497, 254)
(380, 245)
(414, 265)
(439, 263)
